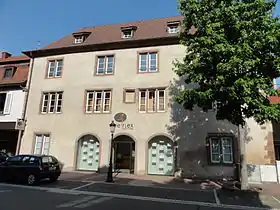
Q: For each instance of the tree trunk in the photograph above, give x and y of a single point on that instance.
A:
(243, 160)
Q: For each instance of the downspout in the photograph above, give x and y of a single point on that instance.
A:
(27, 88)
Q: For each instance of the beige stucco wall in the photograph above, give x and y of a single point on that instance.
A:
(68, 127)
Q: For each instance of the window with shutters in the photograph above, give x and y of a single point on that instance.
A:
(42, 144)
(51, 102)
(54, 68)
(6, 103)
(98, 101)
(152, 100)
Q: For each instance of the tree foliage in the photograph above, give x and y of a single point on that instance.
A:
(233, 57)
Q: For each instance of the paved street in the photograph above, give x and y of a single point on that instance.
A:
(88, 195)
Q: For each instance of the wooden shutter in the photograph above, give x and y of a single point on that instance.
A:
(8, 103)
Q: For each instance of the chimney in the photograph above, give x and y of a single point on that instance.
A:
(5, 55)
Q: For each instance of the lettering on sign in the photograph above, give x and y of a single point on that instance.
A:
(125, 126)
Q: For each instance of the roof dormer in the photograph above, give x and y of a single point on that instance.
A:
(173, 27)
(80, 37)
(128, 32)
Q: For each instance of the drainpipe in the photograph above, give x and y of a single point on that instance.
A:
(27, 88)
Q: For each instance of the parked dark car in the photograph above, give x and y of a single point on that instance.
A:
(30, 169)
(3, 157)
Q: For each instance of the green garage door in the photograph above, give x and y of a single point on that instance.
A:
(160, 156)
(88, 153)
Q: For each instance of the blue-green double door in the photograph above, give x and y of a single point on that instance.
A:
(88, 153)
(161, 157)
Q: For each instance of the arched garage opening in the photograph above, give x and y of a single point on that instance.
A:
(88, 153)
(124, 154)
(160, 156)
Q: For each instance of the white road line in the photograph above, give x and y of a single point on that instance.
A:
(85, 185)
(89, 203)
(122, 196)
(75, 202)
(154, 186)
(276, 199)
(216, 197)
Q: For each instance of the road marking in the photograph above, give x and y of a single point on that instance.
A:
(122, 196)
(276, 199)
(75, 202)
(216, 197)
(89, 203)
(85, 185)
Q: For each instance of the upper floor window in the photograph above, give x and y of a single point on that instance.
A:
(152, 100)
(105, 65)
(51, 102)
(98, 101)
(9, 72)
(55, 68)
(221, 149)
(79, 39)
(6, 100)
(173, 27)
(128, 32)
(148, 62)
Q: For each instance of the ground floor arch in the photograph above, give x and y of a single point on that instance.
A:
(88, 153)
(160, 156)
(124, 154)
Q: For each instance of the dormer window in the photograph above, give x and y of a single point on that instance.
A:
(173, 27)
(128, 32)
(9, 72)
(80, 37)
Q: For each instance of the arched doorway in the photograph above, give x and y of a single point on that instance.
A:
(88, 153)
(160, 156)
(124, 154)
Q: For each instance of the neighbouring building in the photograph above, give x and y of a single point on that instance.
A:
(123, 72)
(13, 78)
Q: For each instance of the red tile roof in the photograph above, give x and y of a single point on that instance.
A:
(21, 73)
(146, 29)
(274, 99)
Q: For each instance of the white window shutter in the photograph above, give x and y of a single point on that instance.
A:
(8, 103)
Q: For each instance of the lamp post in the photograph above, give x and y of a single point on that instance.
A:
(110, 169)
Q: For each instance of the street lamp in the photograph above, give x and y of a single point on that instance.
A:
(110, 169)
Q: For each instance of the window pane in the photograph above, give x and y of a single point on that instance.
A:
(98, 101)
(52, 102)
(45, 103)
(151, 101)
(107, 101)
(89, 106)
(153, 62)
(38, 144)
(101, 65)
(129, 96)
(59, 102)
(143, 62)
(142, 101)
(227, 158)
(161, 105)
(215, 158)
(51, 69)
(58, 68)
(110, 64)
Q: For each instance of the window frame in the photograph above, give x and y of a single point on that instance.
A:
(147, 91)
(171, 27)
(129, 32)
(56, 61)
(79, 39)
(48, 102)
(12, 69)
(148, 62)
(93, 103)
(126, 90)
(105, 69)
(220, 138)
(42, 147)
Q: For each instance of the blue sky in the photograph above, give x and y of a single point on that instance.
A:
(29, 24)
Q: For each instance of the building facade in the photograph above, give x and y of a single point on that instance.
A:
(13, 78)
(123, 72)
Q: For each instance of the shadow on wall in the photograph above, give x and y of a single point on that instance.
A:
(190, 130)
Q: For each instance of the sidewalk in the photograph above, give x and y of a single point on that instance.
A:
(268, 188)
(137, 180)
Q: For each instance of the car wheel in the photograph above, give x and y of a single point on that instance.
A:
(53, 178)
(31, 179)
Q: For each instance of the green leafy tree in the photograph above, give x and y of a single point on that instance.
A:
(233, 56)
